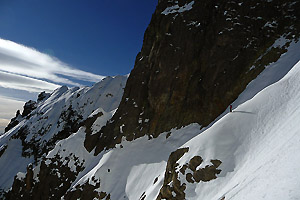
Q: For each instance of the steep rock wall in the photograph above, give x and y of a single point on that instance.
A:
(197, 57)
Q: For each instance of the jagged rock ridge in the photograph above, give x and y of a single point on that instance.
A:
(54, 117)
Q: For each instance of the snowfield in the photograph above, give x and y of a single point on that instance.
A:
(258, 144)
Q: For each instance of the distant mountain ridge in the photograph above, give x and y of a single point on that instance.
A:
(165, 132)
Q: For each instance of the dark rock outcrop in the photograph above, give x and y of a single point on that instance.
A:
(14, 121)
(172, 188)
(197, 57)
(52, 182)
(90, 139)
(43, 96)
(69, 120)
(28, 108)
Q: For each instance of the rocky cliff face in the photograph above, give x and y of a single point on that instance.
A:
(197, 57)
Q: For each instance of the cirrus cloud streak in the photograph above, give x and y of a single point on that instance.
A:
(24, 72)
(21, 60)
(14, 81)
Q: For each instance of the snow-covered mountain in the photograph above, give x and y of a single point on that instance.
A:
(169, 135)
(52, 118)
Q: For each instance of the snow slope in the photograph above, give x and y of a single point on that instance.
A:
(258, 144)
(135, 159)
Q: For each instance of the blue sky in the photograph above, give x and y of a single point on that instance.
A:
(48, 43)
(99, 36)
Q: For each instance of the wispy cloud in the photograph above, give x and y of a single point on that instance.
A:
(24, 70)
(14, 81)
(25, 61)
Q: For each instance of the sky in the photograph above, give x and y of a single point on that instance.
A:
(49, 43)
